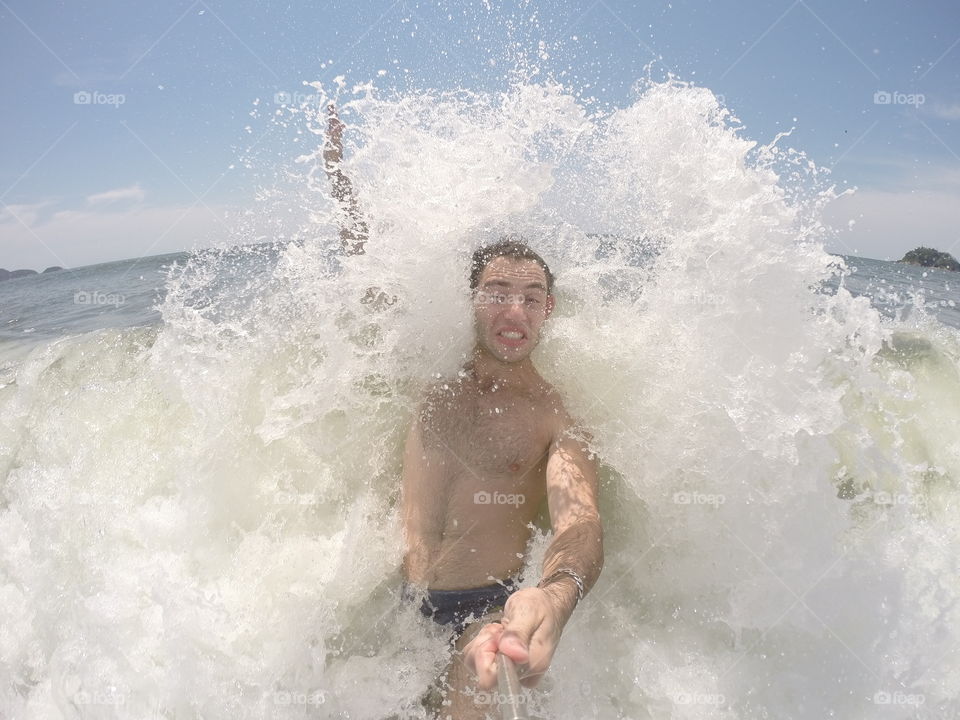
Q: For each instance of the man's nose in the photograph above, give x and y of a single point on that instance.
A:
(514, 308)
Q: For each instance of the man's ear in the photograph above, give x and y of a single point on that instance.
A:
(551, 303)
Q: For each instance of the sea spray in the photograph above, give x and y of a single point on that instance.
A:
(199, 518)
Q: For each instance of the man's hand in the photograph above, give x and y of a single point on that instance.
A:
(528, 634)
(333, 147)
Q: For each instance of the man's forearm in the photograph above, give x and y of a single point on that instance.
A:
(578, 548)
(354, 232)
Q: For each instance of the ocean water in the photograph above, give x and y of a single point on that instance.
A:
(200, 452)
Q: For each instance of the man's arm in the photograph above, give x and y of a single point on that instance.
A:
(423, 497)
(353, 232)
(534, 618)
(353, 228)
(572, 498)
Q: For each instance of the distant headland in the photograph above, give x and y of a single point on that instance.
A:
(11, 274)
(928, 257)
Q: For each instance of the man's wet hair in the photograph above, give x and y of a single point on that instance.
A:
(508, 246)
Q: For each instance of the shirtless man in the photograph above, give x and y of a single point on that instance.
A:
(483, 453)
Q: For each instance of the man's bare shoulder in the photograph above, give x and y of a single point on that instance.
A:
(554, 410)
(563, 423)
(551, 395)
(552, 398)
(441, 394)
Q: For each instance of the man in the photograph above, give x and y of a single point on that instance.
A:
(483, 453)
(353, 229)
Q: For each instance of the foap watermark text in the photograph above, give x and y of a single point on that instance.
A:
(884, 97)
(898, 697)
(483, 297)
(86, 97)
(698, 498)
(296, 99)
(96, 297)
(292, 697)
(693, 698)
(482, 497)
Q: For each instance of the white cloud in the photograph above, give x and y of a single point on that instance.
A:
(72, 238)
(26, 213)
(134, 193)
(888, 224)
(896, 173)
(944, 111)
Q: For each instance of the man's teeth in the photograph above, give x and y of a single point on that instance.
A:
(512, 335)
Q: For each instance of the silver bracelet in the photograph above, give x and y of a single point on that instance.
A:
(564, 571)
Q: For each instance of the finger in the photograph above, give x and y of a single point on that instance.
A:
(481, 653)
(479, 644)
(485, 643)
(520, 623)
(542, 646)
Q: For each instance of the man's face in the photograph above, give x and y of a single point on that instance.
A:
(510, 305)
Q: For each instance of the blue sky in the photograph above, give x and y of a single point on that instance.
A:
(89, 182)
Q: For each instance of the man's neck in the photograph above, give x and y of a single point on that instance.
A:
(488, 369)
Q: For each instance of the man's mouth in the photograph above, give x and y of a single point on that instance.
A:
(512, 337)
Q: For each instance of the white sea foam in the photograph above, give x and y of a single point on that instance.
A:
(199, 518)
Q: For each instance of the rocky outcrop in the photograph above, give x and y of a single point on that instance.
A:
(928, 257)
(11, 274)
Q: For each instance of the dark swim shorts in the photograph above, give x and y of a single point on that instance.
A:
(457, 608)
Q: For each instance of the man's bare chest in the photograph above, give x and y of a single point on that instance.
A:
(491, 435)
